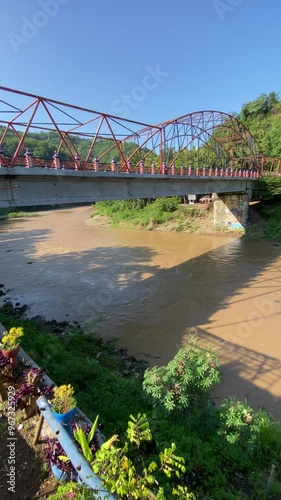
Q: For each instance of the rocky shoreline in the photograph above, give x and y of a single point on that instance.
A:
(125, 365)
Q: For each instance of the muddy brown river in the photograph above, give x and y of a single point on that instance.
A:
(151, 290)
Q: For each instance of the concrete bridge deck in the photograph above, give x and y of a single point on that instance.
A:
(23, 187)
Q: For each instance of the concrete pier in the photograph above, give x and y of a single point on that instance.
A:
(231, 210)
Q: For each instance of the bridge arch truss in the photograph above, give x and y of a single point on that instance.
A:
(197, 140)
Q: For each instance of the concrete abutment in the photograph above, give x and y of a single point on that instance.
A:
(231, 210)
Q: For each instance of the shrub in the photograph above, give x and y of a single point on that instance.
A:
(186, 380)
(247, 433)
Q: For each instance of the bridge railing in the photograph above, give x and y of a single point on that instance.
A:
(242, 170)
(42, 163)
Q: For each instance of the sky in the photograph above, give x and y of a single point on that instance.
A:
(148, 61)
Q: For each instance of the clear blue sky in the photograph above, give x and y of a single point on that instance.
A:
(149, 61)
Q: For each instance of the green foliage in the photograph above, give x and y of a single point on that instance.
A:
(272, 222)
(260, 107)
(263, 118)
(139, 212)
(43, 144)
(74, 490)
(138, 429)
(182, 492)
(269, 188)
(238, 425)
(265, 222)
(170, 463)
(134, 480)
(246, 433)
(268, 442)
(119, 475)
(15, 214)
(185, 381)
(85, 440)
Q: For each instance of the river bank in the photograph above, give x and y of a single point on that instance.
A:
(163, 214)
(189, 219)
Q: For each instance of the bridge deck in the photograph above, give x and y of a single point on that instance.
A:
(22, 186)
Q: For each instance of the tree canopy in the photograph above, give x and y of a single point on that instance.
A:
(263, 118)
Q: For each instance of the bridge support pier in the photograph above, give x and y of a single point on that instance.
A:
(231, 210)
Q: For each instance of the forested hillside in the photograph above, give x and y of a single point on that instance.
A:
(263, 118)
(43, 145)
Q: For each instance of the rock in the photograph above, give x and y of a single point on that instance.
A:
(128, 364)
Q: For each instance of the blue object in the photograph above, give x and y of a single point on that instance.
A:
(63, 477)
(65, 419)
(79, 462)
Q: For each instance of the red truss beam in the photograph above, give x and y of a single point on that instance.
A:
(222, 134)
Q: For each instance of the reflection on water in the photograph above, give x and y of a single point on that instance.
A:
(154, 288)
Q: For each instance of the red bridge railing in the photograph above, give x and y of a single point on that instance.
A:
(28, 161)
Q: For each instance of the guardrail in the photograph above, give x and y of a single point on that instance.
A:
(136, 169)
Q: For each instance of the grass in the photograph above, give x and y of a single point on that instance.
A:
(265, 222)
(100, 387)
(15, 214)
(139, 212)
(149, 215)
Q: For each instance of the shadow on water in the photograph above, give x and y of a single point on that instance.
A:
(152, 311)
(247, 374)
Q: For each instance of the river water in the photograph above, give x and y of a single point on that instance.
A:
(152, 290)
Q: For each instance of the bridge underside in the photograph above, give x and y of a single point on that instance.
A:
(21, 187)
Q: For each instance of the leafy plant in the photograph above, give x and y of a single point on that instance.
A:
(24, 393)
(140, 212)
(241, 427)
(74, 490)
(54, 454)
(138, 429)
(185, 381)
(4, 361)
(171, 463)
(85, 439)
(237, 421)
(130, 481)
(31, 388)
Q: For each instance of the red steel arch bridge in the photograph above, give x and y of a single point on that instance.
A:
(203, 143)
